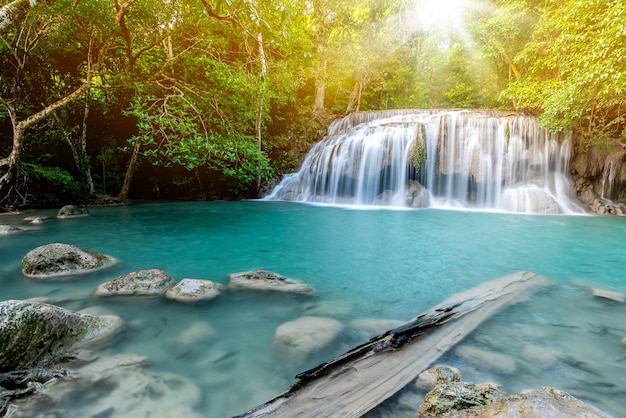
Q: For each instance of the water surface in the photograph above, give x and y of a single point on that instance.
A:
(382, 264)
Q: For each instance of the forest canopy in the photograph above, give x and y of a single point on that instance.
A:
(215, 98)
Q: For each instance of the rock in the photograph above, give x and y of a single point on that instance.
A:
(152, 282)
(542, 402)
(267, 280)
(624, 341)
(429, 379)
(417, 196)
(542, 357)
(36, 219)
(10, 229)
(71, 211)
(447, 398)
(497, 362)
(198, 332)
(62, 259)
(194, 290)
(306, 335)
(368, 328)
(607, 294)
(119, 386)
(33, 332)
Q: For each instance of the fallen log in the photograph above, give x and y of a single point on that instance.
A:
(357, 381)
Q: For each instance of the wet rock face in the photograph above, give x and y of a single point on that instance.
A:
(153, 282)
(62, 259)
(194, 291)
(454, 396)
(32, 332)
(71, 211)
(268, 281)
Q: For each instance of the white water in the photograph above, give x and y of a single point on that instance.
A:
(474, 159)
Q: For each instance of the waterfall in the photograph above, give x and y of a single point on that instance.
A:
(439, 158)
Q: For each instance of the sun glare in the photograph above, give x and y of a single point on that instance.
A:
(444, 15)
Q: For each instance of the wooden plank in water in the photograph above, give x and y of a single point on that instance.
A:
(357, 381)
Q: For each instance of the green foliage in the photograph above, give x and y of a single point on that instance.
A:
(50, 185)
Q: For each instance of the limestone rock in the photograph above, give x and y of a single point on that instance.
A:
(450, 397)
(200, 331)
(31, 332)
(71, 211)
(610, 295)
(497, 362)
(267, 280)
(194, 290)
(429, 379)
(57, 259)
(417, 196)
(153, 282)
(542, 357)
(542, 402)
(36, 219)
(305, 335)
(10, 229)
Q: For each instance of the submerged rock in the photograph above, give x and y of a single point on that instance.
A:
(152, 282)
(194, 291)
(608, 294)
(36, 219)
(62, 259)
(305, 335)
(71, 211)
(32, 332)
(497, 362)
(10, 229)
(368, 328)
(267, 280)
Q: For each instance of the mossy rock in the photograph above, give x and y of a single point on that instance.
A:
(71, 211)
(32, 332)
(153, 282)
(62, 259)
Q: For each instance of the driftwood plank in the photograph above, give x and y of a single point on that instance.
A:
(355, 382)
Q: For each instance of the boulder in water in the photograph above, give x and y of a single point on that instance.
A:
(417, 196)
(609, 295)
(62, 259)
(71, 211)
(10, 229)
(298, 339)
(542, 402)
(448, 398)
(194, 291)
(32, 332)
(429, 379)
(267, 280)
(153, 282)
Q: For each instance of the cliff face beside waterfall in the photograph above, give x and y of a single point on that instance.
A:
(599, 178)
(445, 158)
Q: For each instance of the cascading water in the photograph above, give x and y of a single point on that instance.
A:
(419, 158)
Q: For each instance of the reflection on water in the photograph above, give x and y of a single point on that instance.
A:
(218, 360)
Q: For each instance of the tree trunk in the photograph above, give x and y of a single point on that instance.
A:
(10, 165)
(12, 13)
(320, 85)
(85, 166)
(130, 171)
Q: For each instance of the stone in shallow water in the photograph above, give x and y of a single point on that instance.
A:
(194, 291)
(428, 380)
(58, 259)
(33, 332)
(71, 211)
(457, 396)
(270, 281)
(10, 229)
(542, 357)
(305, 335)
(610, 295)
(497, 362)
(153, 282)
(200, 331)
